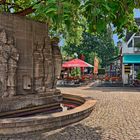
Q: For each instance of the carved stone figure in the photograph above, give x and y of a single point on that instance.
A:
(47, 65)
(12, 67)
(38, 68)
(3, 63)
(8, 65)
(57, 60)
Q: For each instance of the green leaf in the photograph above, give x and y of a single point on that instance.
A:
(51, 10)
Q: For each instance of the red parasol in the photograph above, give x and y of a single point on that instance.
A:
(76, 63)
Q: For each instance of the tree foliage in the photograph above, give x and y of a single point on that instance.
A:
(100, 45)
(67, 17)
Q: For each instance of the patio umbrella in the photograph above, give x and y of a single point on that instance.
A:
(76, 63)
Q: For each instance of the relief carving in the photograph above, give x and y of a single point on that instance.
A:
(3, 63)
(40, 67)
(8, 65)
(57, 60)
(47, 66)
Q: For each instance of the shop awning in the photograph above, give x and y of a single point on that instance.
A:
(131, 59)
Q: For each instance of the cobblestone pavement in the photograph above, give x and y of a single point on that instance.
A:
(116, 116)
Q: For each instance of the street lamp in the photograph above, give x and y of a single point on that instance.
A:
(119, 44)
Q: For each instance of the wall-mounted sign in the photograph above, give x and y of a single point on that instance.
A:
(127, 69)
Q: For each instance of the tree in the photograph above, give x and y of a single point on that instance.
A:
(100, 45)
(67, 17)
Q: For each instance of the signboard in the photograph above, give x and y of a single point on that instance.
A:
(127, 69)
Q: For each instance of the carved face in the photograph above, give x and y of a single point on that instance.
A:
(3, 37)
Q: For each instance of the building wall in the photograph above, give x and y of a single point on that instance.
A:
(126, 50)
(130, 47)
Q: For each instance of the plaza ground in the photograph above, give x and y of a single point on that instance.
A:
(116, 116)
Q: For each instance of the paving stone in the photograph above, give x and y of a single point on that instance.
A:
(116, 116)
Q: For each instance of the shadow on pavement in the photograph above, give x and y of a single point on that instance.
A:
(76, 132)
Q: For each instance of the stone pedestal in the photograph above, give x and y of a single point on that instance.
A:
(51, 99)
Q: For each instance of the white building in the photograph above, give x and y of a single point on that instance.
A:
(131, 56)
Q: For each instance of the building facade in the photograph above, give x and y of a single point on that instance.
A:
(131, 57)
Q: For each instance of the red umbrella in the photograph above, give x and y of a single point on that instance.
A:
(76, 63)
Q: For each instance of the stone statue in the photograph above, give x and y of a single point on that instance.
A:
(12, 67)
(38, 68)
(57, 60)
(47, 66)
(42, 66)
(48, 63)
(3, 63)
(8, 65)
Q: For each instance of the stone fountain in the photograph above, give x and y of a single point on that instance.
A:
(30, 63)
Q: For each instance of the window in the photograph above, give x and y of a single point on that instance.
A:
(137, 42)
(130, 44)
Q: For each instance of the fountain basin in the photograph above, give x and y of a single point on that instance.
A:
(42, 123)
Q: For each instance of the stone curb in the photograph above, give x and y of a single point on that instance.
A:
(25, 125)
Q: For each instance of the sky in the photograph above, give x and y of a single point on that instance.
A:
(136, 15)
